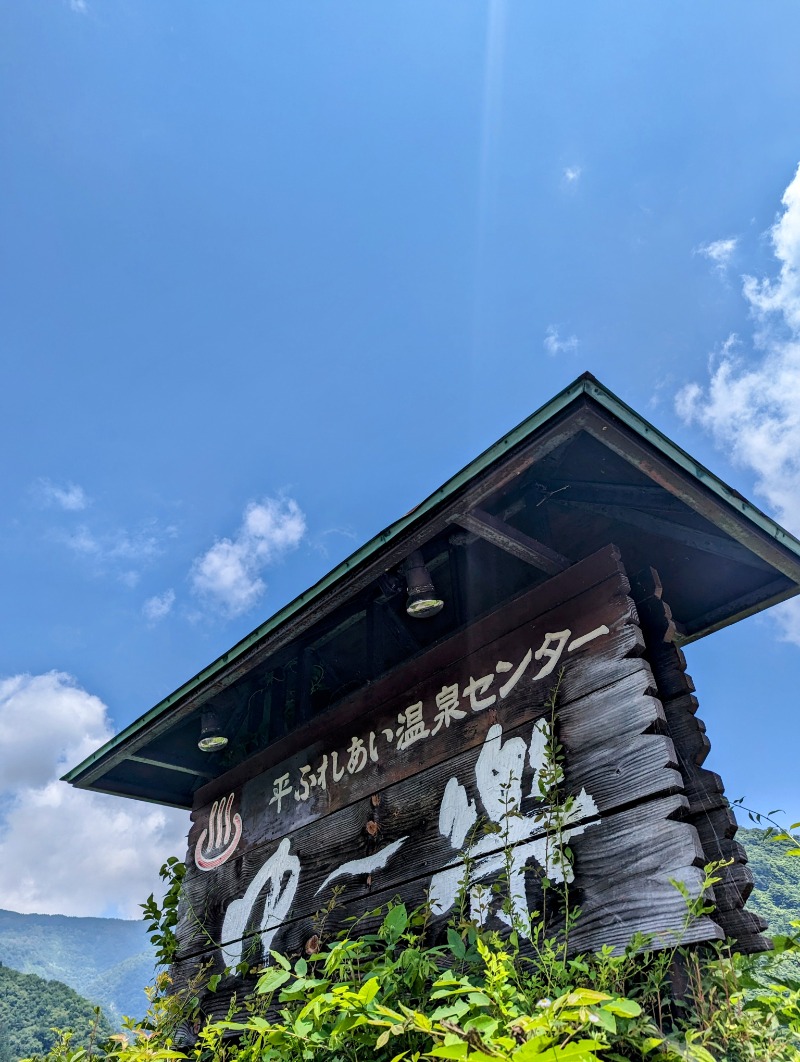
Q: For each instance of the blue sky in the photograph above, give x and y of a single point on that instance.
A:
(271, 272)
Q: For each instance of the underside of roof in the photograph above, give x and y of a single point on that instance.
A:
(580, 473)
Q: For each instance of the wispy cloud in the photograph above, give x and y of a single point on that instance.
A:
(69, 496)
(751, 403)
(572, 174)
(554, 344)
(119, 552)
(229, 573)
(52, 836)
(719, 252)
(80, 7)
(159, 606)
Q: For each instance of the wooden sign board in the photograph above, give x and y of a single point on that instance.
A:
(445, 763)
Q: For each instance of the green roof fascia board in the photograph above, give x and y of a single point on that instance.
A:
(586, 384)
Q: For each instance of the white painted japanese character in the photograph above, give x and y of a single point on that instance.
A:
(280, 875)
(504, 666)
(367, 865)
(412, 726)
(358, 756)
(576, 643)
(307, 780)
(447, 703)
(560, 639)
(389, 735)
(498, 776)
(475, 688)
(336, 771)
(373, 748)
(280, 790)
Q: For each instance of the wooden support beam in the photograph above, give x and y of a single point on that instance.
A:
(705, 541)
(171, 766)
(508, 538)
(765, 596)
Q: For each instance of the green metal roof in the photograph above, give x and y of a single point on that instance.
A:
(585, 387)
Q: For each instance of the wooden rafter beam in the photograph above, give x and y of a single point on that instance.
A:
(651, 498)
(705, 541)
(765, 596)
(508, 538)
(171, 766)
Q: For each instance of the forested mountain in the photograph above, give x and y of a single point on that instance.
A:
(776, 895)
(30, 1008)
(107, 960)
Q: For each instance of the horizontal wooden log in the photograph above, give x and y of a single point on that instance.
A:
(618, 897)
(632, 892)
(615, 769)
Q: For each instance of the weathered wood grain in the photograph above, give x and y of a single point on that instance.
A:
(616, 769)
(597, 664)
(709, 810)
(618, 897)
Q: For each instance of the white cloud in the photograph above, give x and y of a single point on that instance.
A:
(80, 7)
(229, 573)
(572, 174)
(120, 552)
(70, 496)
(719, 252)
(157, 607)
(554, 344)
(63, 850)
(751, 404)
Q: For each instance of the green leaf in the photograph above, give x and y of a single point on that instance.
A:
(583, 997)
(271, 980)
(458, 1050)
(580, 1050)
(395, 923)
(456, 944)
(479, 999)
(484, 1023)
(606, 1019)
(281, 960)
(623, 1008)
(369, 990)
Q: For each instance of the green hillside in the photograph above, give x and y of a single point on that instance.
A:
(776, 895)
(107, 960)
(30, 1008)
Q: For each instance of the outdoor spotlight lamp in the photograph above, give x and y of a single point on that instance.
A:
(211, 737)
(422, 598)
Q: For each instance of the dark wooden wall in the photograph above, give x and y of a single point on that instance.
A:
(709, 810)
(645, 812)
